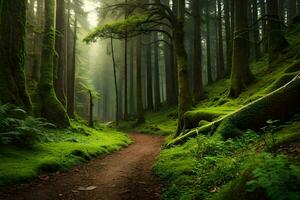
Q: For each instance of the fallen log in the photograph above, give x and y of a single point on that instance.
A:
(280, 104)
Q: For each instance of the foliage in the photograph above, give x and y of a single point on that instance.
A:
(268, 133)
(118, 29)
(277, 176)
(58, 150)
(18, 128)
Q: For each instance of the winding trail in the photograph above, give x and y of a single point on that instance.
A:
(124, 175)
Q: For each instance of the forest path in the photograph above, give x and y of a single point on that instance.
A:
(124, 175)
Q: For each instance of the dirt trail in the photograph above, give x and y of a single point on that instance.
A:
(124, 175)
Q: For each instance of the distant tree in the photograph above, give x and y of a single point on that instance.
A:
(197, 53)
(150, 21)
(241, 74)
(139, 97)
(12, 53)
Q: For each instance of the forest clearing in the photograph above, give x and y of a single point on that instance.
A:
(150, 99)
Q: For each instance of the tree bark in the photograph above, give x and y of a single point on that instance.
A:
(71, 74)
(50, 108)
(149, 75)
(241, 74)
(197, 53)
(91, 105)
(185, 100)
(292, 11)
(139, 97)
(156, 74)
(115, 80)
(12, 53)
(257, 51)
(221, 66)
(208, 46)
(228, 36)
(60, 49)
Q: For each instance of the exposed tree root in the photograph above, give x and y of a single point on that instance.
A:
(280, 104)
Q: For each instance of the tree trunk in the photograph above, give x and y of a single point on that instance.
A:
(292, 11)
(221, 66)
(185, 100)
(276, 40)
(228, 36)
(12, 53)
(149, 75)
(91, 117)
(139, 97)
(156, 74)
(71, 75)
(208, 46)
(60, 49)
(197, 53)
(256, 31)
(264, 26)
(132, 85)
(241, 74)
(51, 108)
(115, 80)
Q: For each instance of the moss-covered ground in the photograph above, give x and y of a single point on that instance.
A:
(58, 149)
(258, 165)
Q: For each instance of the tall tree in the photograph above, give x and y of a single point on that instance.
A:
(256, 30)
(228, 33)
(60, 45)
(12, 53)
(292, 10)
(139, 97)
(197, 53)
(50, 107)
(125, 71)
(221, 66)
(156, 73)
(276, 40)
(185, 100)
(149, 74)
(241, 74)
(208, 44)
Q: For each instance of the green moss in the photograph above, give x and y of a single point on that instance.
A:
(59, 150)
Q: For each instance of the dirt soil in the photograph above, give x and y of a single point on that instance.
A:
(124, 175)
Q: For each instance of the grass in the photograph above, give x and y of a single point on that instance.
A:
(58, 150)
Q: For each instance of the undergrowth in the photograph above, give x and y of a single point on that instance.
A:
(57, 149)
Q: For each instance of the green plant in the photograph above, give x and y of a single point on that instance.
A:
(279, 178)
(18, 128)
(268, 133)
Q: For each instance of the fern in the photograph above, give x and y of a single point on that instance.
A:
(18, 128)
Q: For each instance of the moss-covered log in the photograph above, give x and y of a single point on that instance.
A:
(280, 104)
(12, 53)
(50, 106)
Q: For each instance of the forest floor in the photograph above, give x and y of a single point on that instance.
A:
(123, 175)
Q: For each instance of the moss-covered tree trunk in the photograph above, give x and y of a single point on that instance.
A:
(241, 74)
(139, 97)
(280, 104)
(71, 73)
(184, 96)
(12, 53)
(60, 49)
(197, 53)
(50, 106)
